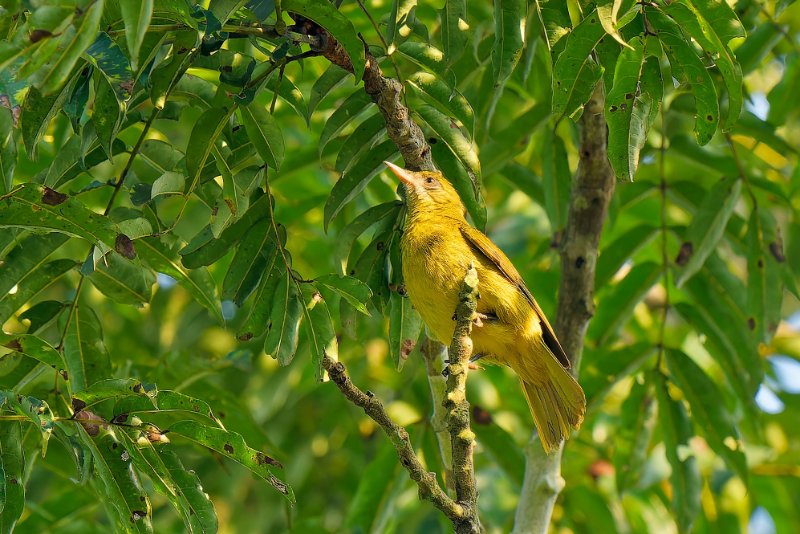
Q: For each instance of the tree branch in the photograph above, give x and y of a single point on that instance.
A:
(462, 511)
(387, 95)
(428, 486)
(461, 436)
(591, 193)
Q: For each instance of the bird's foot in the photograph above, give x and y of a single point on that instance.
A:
(471, 364)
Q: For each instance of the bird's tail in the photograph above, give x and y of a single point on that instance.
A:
(556, 402)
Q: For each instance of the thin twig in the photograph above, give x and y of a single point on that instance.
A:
(428, 486)
(463, 510)
(461, 436)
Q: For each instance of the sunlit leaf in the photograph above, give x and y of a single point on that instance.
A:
(284, 323)
(233, 446)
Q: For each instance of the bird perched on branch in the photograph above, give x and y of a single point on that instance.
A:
(438, 246)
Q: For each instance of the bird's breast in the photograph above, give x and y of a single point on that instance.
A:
(434, 265)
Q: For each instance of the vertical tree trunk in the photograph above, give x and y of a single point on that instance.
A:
(591, 193)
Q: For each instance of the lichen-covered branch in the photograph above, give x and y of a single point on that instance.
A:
(461, 436)
(387, 93)
(592, 189)
(429, 488)
(463, 510)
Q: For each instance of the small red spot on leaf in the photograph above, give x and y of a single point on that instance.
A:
(51, 197)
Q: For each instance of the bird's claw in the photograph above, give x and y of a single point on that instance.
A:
(477, 321)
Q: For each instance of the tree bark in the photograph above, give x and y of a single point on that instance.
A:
(592, 189)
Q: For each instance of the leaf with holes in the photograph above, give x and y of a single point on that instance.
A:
(233, 446)
(689, 69)
(631, 107)
(707, 227)
(405, 325)
(574, 72)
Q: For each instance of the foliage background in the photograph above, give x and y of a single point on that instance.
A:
(665, 440)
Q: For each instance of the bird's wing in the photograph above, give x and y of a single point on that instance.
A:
(484, 246)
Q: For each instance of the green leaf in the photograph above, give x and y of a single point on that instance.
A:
(356, 179)
(636, 425)
(632, 107)
(202, 139)
(707, 227)
(109, 59)
(362, 139)
(36, 348)
(123, 281)
(38, 412)
(759, 43)
(458, 143)
(137, 15)
(615, 254)
(353, 106)
(33, 283)
(608, 12)
(321, 332)
(337, 24)
(371, 268)
(676, 429)
(258, 318)
(12, 480)
(405, 325)
(620, 301)
(158, 401)
(55, 74)
(468, 189)
(574, 67)
(247, 266)
(233, 446)
(426, 56)
(372, 490)
(556, 180)
(699, 19)
(37, 112)
(165, 76)
(204, 249)
(707, 409)
(353, 290)
(689, 69)
(721, 347)
(35, 207)
(121, 491)
(454, 29)
(41, 313)
(84, 351)
(179, 485)
(115, 388)
(448, 100)
(509, 37)
(287, 312)
(196, 281)
(333, 77)
(264, 132)
(26, 257)
(555, 18)
(347, 237)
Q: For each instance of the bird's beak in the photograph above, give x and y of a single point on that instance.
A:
(406, 176)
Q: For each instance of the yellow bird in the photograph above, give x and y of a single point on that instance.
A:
(438, 245)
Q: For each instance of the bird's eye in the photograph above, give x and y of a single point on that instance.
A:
(429, 180)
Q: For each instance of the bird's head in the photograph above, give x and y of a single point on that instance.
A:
(428, 192)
